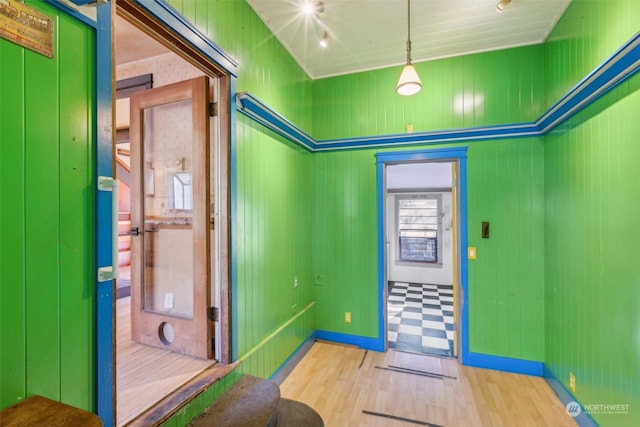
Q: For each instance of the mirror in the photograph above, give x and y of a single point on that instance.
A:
(180, 191)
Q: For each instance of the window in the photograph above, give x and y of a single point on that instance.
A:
(419, 228)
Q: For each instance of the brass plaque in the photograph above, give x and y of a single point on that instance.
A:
(26, 26)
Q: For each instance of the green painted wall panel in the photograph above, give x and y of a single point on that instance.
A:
(12, 226)
(42, 188)
(47, 213)
(591, 218)
(77, 270)
(587, 34)
(592, 278)
(506, 288)
(458, 92)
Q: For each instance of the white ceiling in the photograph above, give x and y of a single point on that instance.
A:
(371, 34)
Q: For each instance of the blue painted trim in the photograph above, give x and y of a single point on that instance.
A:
(74, 13)
(619, 67)
(105, 356)
(614, 70)
(288, 365)
(170, 17)
(365, 343)
(565, 396)
(253, 108)
(458, 154)
(506, 364)
(438, 137)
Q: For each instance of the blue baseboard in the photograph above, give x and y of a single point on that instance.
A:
(285, 369)
(582, 419)
(506, 364)
(365, 343)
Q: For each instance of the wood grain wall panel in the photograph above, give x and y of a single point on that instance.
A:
(591, 217)
(48, 267)
(591, 276)
(12, 225)
(491, 88)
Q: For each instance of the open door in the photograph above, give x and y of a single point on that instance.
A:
(171, 219)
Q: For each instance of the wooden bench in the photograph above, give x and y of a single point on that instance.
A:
(40, 411)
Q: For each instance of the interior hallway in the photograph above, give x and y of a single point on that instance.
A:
(340, 382)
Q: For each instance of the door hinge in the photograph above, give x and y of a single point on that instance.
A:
(106, 273)
(213, 109)
(106, 183)
(213, 314)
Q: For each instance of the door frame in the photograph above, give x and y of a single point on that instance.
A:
(163, 22)
(458, 156)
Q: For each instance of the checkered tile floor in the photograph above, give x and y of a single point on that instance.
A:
(420, 318)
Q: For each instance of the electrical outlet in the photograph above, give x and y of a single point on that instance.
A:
(168, 300)
(572, 382)
(295, 282)
(347, 317)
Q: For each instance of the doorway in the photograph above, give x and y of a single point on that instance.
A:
(422, 235)
(172, 324)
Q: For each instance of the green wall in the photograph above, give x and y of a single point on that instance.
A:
(506, 289)
(458, 93)
(592, 218)
(504, 185)
(47, 271)
(271, 243)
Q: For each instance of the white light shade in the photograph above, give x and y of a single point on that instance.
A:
(502, 5)
(409, 83)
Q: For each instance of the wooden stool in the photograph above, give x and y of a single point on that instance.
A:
(40, 411)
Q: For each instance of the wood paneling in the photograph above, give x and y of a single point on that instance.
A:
(592, 218)
(47, 224)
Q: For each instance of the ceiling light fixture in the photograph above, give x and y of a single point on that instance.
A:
(409, 83)
(502, 5)
(312, 7)
(324, 41)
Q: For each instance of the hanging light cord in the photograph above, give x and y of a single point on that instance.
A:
(408, 31)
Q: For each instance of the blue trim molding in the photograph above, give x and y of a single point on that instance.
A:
(506, 364)
(582, 419)
(251, 107)
(171, 18)
(74, 12)
(365, 343)
(456, 155)
(619, 67)
(104, 241)
(285, 369)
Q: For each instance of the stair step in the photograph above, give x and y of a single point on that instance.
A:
(124, 258)
(124, 243)
(251, 402)
(291, 413)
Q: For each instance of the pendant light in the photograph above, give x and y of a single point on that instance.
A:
(409, 83)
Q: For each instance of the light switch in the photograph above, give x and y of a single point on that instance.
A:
(471, 252)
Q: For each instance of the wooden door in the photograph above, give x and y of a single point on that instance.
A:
(170, 220)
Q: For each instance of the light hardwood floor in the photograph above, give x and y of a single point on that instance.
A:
(340, 382)
(144, 374)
